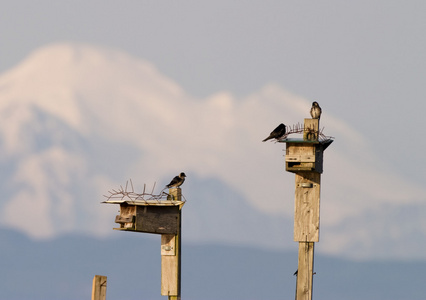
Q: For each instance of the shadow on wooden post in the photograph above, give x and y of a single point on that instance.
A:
(99, 287)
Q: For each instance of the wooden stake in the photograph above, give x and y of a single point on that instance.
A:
(307, 211)
(99, 287)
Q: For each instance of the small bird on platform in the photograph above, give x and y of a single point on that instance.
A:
(276, 133)
(315, 110)
(177, 181)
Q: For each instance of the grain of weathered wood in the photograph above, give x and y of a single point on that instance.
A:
(99, 287)
(169, 275)
(305, 271)
(307, 207)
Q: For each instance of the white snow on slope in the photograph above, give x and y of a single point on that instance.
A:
(77, 120)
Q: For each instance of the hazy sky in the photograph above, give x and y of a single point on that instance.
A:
(364, 61)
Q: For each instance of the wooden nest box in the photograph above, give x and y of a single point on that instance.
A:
(150, 216)
(306, 155)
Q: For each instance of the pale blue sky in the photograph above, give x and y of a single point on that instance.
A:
(364, 61)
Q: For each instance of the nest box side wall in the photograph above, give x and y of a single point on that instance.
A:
(149, 219)
(301, 157)
(157, 219)
(126, 219)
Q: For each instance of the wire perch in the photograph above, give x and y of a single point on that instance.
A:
(128, 194)
(311, 132)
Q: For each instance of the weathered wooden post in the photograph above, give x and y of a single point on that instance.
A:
(304, 157)
(158, 217)
(99, 287)
(171, 256)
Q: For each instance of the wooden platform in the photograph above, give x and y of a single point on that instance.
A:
(147, 202)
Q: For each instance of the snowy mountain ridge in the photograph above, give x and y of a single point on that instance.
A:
(77, 120)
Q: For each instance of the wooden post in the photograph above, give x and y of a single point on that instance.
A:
(306, 211)
(306, 229)
(304, 157)
(158, 217)
(305, 271)
(99, 287)
(307, 206)
(171, 256)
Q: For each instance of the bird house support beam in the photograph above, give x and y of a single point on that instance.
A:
(307, 207)
(171, 257)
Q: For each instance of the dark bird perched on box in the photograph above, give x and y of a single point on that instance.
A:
(315, 110)
(276, 133)
(177, 181)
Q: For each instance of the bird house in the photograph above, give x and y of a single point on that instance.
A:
(150, 216)
(159, 216)
(306, 155)
(303, 155)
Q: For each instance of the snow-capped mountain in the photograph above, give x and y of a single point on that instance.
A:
(77, 120)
